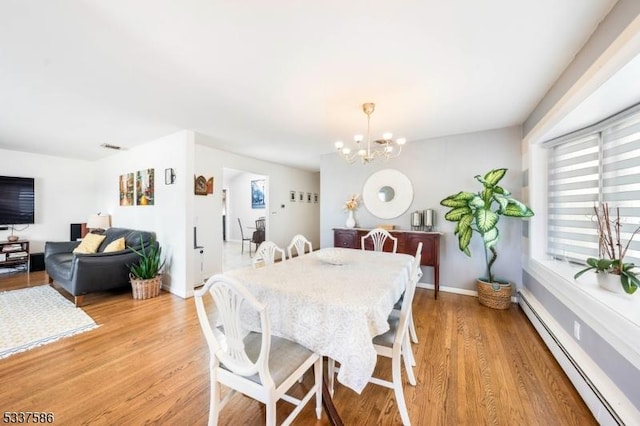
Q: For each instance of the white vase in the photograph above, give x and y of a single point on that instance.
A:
(610, 282)
(351, 221)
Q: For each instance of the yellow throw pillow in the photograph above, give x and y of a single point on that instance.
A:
(115, 245)
(89, 244)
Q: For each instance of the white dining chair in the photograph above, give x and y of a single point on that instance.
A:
(378, 237)
(258, 365)
(416, 274)
(266, 254)
(300, 243)
(394, 344)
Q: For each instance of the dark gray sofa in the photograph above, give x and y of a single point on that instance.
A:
(80, 274)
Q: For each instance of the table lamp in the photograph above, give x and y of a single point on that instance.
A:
(98, 223)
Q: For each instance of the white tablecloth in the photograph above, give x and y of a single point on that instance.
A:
(334, 310)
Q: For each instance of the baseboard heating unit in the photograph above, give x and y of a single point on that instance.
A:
(605, 400)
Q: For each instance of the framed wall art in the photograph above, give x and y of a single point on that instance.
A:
(126, 189)
(145, 187)
(200, 185)
(257, 194)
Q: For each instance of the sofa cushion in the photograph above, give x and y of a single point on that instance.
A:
(115, 245)
(89, 244)
(131, 238)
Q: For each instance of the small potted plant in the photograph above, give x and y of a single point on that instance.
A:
(145, 275)
(479, 213)
(612, 272)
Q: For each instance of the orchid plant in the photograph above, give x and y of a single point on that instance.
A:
(610, 250)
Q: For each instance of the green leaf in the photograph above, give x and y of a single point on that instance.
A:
(452, 202)
(502, 200)
(593, 262)
(464, 238)
(494, 176)
(485, 220)
(476, 203)
(465, 222)
(464, 195)
(491, 237)
(583, 271)
(517, 210)
(625, 284)
(455, 214)
(633, 282)
(603, 264)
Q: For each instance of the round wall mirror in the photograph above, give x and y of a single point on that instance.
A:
(387, 194)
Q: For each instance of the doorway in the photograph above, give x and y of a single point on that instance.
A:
(245, 200)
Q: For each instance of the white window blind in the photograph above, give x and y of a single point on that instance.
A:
(594, 165)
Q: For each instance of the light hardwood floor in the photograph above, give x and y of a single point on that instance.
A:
(147, 363)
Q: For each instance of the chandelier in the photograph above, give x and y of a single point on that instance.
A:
(386, 147)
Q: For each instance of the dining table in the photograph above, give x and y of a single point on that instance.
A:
(333, 301)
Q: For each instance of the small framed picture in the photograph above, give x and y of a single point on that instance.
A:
(301, 196)
(308, 197)
(315, 198)
(292, 196)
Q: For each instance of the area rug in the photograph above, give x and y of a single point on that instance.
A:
(34, 316)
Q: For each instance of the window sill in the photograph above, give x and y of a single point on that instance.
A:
(615, 317)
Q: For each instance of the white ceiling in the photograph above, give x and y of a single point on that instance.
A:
(279, 80)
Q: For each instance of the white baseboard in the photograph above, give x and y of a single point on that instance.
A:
(606, 401)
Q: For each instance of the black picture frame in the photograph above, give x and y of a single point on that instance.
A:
(169, 176)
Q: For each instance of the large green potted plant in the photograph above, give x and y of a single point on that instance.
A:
(145, 276)
(479, 213)
(613, 273)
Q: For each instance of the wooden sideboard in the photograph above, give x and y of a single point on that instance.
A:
(407, 243)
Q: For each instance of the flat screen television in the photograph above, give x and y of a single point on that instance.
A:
(17, 200)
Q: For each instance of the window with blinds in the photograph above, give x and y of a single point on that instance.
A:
(600, 164)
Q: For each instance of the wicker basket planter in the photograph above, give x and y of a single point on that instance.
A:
(146, 289)
(494, 295)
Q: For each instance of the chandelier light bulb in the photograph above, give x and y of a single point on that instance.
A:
(384, 148)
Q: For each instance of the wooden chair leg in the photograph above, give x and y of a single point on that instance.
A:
(78, 300)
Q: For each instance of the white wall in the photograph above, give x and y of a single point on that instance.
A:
(64, 191)
(169, 217)
(284, 219)
(437, 168)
